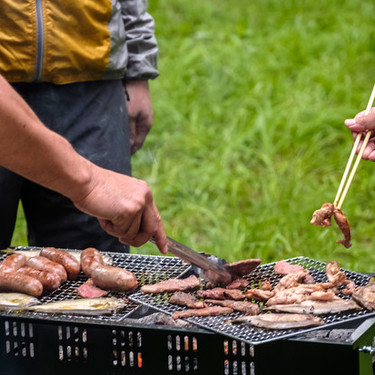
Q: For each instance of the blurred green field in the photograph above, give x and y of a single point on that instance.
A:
(248, 137)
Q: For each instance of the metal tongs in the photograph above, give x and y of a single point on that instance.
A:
(213, 271)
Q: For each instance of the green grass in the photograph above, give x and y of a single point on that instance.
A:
(248, 137)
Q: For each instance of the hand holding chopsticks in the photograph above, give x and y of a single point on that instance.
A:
(346, 181)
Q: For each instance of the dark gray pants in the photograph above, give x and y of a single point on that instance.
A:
(93, 117)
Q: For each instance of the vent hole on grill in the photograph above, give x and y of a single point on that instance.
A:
(72, 340)
(21, 345)
(195, 344)
(178, 343)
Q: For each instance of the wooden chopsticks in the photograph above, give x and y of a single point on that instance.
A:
(345, 184)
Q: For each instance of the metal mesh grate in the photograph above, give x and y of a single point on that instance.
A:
(253, 335)
(147, 268)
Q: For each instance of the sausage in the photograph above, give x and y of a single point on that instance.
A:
(13, 262)
(113, 278)
(49, 280)
(44, 264)
(90, 258)
(71, 264)
(18, 282)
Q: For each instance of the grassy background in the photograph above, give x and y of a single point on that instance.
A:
(248, 138)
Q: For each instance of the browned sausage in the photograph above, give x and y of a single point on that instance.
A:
(17, 282)
(13, 262)
(113, 278)
(49, 280)
(90, 258)
(44, 264)
(71, 264)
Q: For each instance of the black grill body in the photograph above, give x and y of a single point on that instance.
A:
(40, 343)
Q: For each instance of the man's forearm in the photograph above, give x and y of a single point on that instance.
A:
(30, 149)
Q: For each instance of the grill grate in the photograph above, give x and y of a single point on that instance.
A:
(253, 335)
(147, 268)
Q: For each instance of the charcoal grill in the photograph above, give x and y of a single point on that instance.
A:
(42, 343)
(253, 335)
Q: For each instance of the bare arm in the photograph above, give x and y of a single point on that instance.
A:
(123, 205)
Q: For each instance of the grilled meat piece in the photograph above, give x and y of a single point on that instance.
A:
(173, 285)
(157, 319)
(89, 290)
(266, 285)
(323, 217)
(282, 267)
(344, 226)
(239, 283)
(280, 321)
(243, 267)
(336, 305)
(349, 288)
(300, 293)
(334, 275)
(365, 296)
(207, 311)
(221, 293)
(259, 294)
(215, 293)
(246, 307)
(186, 299)
(291, 280)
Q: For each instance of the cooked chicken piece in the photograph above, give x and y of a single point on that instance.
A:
(291, 280)
(349, 289)
(284, 268)
(333, 306)
(334, 275)
(259, 294)
(266, 285)
(299, 294)
(365, 296)
(343, 224)
(323, 217)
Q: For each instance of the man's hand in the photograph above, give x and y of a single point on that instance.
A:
(140, 113)
(124, 207)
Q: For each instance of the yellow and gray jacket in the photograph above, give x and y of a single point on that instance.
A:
(65, 41)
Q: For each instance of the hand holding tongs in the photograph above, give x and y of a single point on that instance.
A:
(217, 274)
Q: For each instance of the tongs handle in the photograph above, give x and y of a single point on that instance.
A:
(191, 256)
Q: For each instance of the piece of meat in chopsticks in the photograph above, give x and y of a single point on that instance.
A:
(323, 217)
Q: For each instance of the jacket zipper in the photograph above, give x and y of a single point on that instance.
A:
(39, 40)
